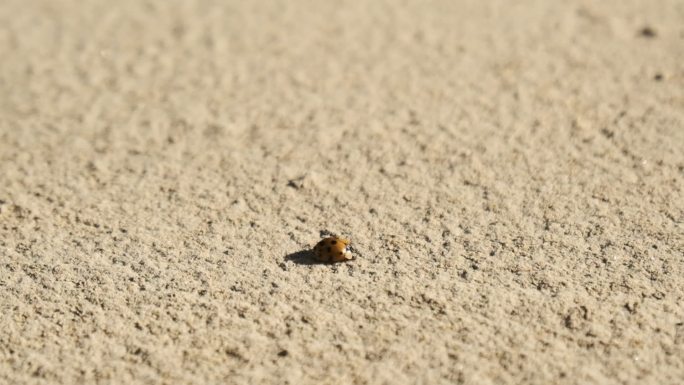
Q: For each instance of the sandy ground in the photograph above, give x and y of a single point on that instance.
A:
(510, 174)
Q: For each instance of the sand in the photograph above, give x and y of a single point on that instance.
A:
(510, 174)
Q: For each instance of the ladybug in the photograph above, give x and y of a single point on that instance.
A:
(332, 249)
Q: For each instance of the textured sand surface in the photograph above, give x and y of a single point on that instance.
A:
(510, 174)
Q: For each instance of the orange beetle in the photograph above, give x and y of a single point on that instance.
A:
(332, 249)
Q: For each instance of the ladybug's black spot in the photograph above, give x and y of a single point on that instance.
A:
(340, 253)
(333, 242)
(329, 249)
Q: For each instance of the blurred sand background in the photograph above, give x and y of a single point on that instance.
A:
(510, 173)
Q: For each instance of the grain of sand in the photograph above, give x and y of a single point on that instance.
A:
(510, 174)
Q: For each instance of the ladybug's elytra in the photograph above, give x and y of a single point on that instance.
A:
(333, 249)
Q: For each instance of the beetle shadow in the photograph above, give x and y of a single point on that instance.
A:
(303, 257)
